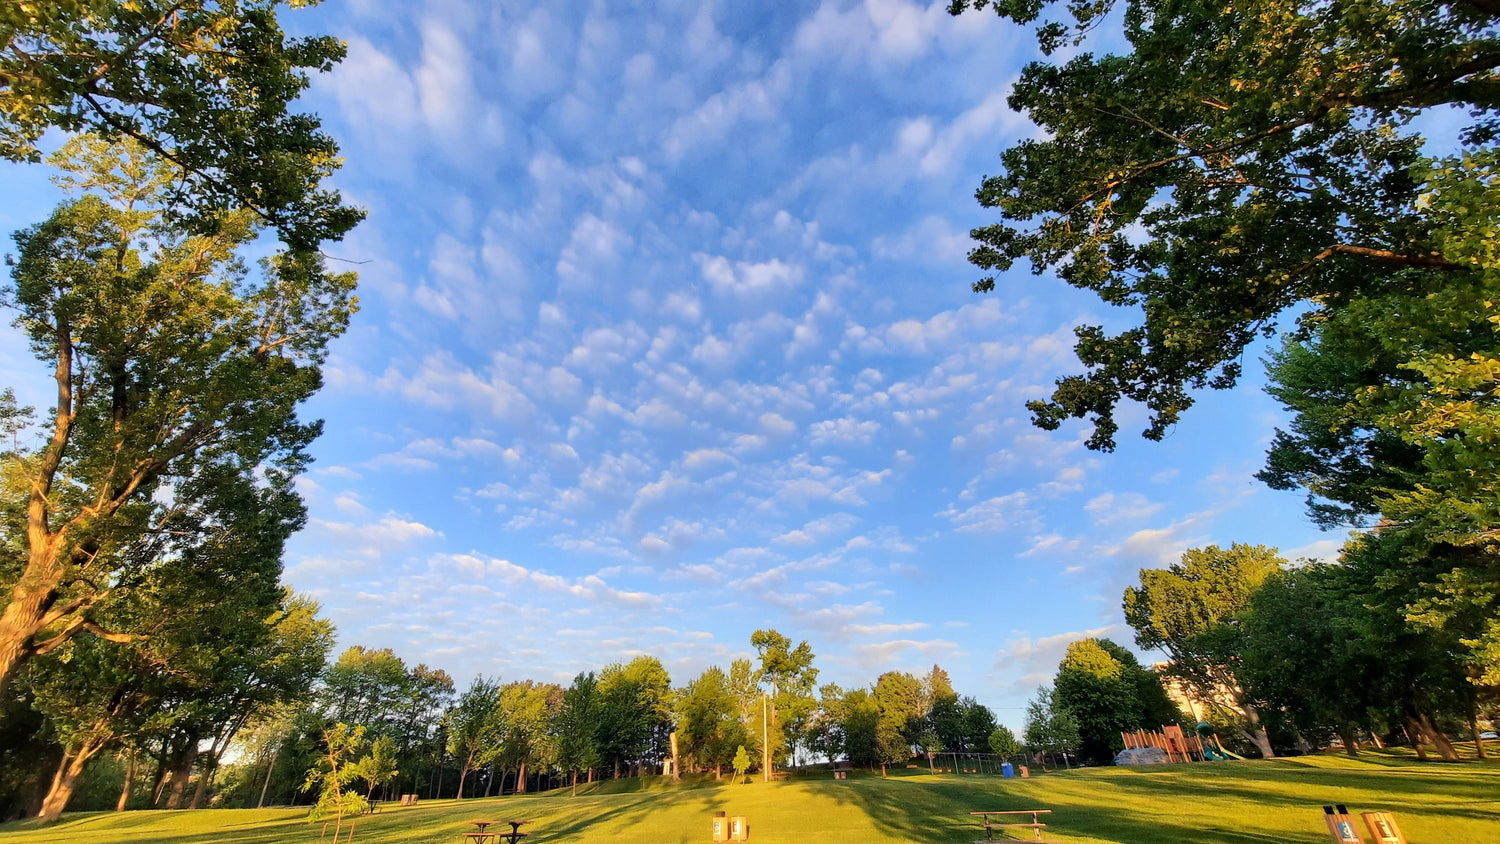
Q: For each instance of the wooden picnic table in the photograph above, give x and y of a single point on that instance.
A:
(1036, 825)
(482, 835)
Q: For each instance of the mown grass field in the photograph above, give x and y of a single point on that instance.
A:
(1256, 801)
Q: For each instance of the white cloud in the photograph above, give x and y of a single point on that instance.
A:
(1110, 508)
(1008, 512)
(745, 278)
(1028, 662)
(845, 431)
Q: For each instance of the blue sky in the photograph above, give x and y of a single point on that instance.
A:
(666, 335)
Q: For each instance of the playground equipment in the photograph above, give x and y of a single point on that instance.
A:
(1181, 747)
(1206, 737)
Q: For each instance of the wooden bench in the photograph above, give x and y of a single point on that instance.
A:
(780, 775)
(1036, 826)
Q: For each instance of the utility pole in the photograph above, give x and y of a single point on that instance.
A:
(765, 741)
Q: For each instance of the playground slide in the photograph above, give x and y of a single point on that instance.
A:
(1229, 753)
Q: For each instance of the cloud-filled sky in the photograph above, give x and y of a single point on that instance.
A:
(666, 336)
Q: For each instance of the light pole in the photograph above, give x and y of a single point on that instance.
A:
(765, 741)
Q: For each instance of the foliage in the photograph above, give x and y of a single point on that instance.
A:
(336, 771)
(1092, 687)
(379, 767)
(634, 711)
(792, 680)
(1003, 742)
(1191, 610)
(898, 696)
(741, 762)
(472, 726)
(709, 722)
(525, 710)
(575, 727)
(206, 85)
(1050, 728)
(1395, 408)
(1238, 160)
(178, 377)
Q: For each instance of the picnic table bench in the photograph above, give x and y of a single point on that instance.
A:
(1036, 826)
(483, 835)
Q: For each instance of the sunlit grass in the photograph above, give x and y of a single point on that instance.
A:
(1262, 801)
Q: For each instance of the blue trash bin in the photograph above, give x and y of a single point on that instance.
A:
(1007, 770)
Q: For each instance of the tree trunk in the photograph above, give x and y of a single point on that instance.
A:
(65, 779)
(591, 773)
(28, 599)
(1375, 737)
(1414, 737)
(575, 783)
(159, 779)
(617, 769)
(1346, 734)
(129, 781)
(1474, 731)
(1444, 746)
(521, 780)
(463, 774)
(181, 773)
(205, 779)
(489, 782)
(676, 769)
(1258, 732)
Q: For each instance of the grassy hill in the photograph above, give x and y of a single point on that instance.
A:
(1256, 801)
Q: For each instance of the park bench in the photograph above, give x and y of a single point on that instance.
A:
(1036, 826)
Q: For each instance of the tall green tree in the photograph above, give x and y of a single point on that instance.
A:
(792, 679)
(1050, 728)
(1235, 162)
(898, 697)
(527, 710)
(1092, 686)
(205, 84)
(1396, 405)
(174, 365)
(472, 727)
(575, 727)
(709, 721)
(1191, 610)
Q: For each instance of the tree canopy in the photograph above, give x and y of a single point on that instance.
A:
(178, 375)
(205, 84)
(1238, 161)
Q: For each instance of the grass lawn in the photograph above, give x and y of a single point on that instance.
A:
(1262, 801)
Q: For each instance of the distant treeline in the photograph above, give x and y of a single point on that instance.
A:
(237, 742)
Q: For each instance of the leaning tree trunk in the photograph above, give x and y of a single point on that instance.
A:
(1444, 747)
(1415, 736)
(66, 779)
(129, 781)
